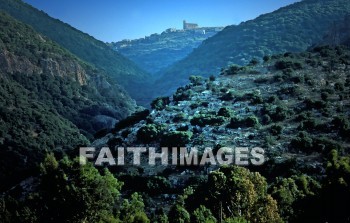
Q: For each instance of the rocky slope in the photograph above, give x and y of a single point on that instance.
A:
(158, 51)
(295, 106)
(292, 28)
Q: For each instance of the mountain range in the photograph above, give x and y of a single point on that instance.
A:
(158, 51)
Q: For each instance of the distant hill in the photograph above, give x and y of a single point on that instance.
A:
(49, 97)
(158, 51)
(84, 46)
(292, 28)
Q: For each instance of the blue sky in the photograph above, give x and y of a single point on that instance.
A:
(114, 20)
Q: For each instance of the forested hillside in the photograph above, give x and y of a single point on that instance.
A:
(49, 98)
(290, 29)
(122, 70)
(253, 136)
(295, 105)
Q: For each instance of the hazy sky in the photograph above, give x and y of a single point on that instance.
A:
(114, 20)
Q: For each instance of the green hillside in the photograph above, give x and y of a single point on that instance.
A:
(84, 46)
(49, 98)
(292, 28)
(338, 33)
(293, 105)
(296, 106)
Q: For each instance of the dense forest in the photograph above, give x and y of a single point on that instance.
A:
(49, 98)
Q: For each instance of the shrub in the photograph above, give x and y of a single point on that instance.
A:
(232, 70)
(183, 127)
(182, 94)
(277, 113)
(290, 90)
(254, 62)
(325, 145)
(157, 185)
(284, 64)
(261, 80)
(225, 112)
(203, 214)
(266, 58)
(312, 104)
(194, 105)
(339, 86)
(178, 214)
(282, 113)
(228, 96)
(303, 116)
(276, 129)
(176, 138)
(148, 133)
(204, 104)
(257, 99)
(203, 120)
(311, 124)
(179, 117)
(273, 99)
(297, 79)
(269, 140)
(302, 142)
(250, 121)
(160, 103)
(343, 125)
(196, 80)
(266, 119)
(325, 96)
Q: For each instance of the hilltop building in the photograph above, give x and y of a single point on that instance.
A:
(189, 25)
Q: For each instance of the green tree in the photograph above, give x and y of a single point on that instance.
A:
(234, 191)
(133, 211)
(70, 192)
(178, 214)
(148, 133)
(203, 215)
(289, 191)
